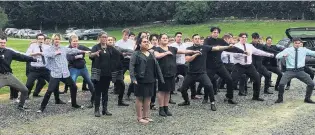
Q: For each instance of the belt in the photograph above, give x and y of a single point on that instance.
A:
(295, 69)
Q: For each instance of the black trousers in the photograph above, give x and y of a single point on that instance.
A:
(182, 69)
(277, 71)
(153, 98)
(251, 72)
(101, 89)
(13, 93)
(262, 70)
(41, 74)
(307, 70)
(203, 79)
(84, 86)
(53, 87)
(229, 67)
(224, 74)
(120, 86)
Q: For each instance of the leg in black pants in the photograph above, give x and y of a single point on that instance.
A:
(251, 72)
(120, 85)
(309, 71)
(266, 74)
(39, 86)
(101, 89)
(277, 71)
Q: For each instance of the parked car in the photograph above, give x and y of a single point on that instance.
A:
(75, 32)
(306, 34)
(71, 29)
(32, 34)
(90, 34)
(21, 33)
(10, 31)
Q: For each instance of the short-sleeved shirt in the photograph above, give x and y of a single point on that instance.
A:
(168, 62)
(198, 65)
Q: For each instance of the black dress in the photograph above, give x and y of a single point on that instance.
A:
(145, 86)
(168, 68)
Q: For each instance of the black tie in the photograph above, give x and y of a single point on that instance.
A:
(246, 55)
(229, 58)
(296, 58)
(43, 58)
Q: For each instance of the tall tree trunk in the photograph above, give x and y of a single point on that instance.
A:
(303, 16)
(56, 27)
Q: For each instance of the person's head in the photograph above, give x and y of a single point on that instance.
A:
(142, 35)
(234, 40)
(56, 39)
(268, 41)
(202, 39)
(102, 38)
(154, 39)
(163, 40)
(171, 40)
(297, 42)
(3, 40)
(132, 36)
(110, 41)
(243, 38)
(143, 44)
(148, 34)
(47, 41)
(126, 33)
(215, 31)
(178, 37)
(255, 38)
(196, 39)
(227, 38)
(40, 38)
(74, 41)
(187, 40)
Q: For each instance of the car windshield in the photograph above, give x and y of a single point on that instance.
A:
(302, 32)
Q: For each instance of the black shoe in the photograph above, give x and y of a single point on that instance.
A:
(77, 106)
(242, 94)
(152, 107)
(258, 99)
(85, 89)
(22, 108)
(279, 101)
(230, 101)
(162, 112)
(267, 92)
(121, 103)
(287, 88)
(204, 101)
(106, 112)
(213, 107)
(309, 101)
(60, 102)
(171, 101)
(97, 112)
(185, 103)
(166, 110)
(36, 95)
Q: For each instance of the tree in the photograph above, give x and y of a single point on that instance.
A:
(3, 18)
(191, 12)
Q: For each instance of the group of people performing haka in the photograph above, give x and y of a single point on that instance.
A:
(156, 63)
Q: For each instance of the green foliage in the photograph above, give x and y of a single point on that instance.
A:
(191, 12)
(3, 18)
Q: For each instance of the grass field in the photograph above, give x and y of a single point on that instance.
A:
(275, 29)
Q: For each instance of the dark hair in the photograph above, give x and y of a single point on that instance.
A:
(178, 33)
(3, 36)
(202, 38)
(194, 36)
(242, 34)
(126, 30)
(215, 28)
(186, 39)
(101, 33)
(230, 34)
(268, 38)
(153, 35)
(296, 39)
(139, 41)
(139, 35)
(255, 35)
(160, 37)
(131, 33)
(40, 34)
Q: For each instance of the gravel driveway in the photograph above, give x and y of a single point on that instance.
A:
(248, 117)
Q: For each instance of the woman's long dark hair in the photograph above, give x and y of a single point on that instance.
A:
(138, 43)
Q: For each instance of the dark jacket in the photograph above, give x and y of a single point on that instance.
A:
(77, 63)
(267, 61)
(257, 60)
(6, 57)
(137, 67)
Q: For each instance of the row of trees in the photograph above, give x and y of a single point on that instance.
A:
(39, 14)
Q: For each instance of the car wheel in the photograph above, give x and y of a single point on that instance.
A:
(85, 38)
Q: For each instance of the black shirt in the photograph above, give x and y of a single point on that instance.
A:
(257, 60)
(168, 62)
(214, 58)
(267, 61)
(6, 57)
(105, 62)
(149, 76)
(77, 63)
(198, 65)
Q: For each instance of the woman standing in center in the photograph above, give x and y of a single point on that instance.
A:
(166, 56)
(144, 70)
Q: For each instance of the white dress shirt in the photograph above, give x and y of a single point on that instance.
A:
(34, 48)
(180, 58)
(225, 56)
(240, 58)
(128, 44)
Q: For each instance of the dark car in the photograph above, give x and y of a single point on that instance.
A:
(90, 34)
(307, 34)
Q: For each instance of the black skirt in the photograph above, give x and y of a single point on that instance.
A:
(168, 86)
(144, 89)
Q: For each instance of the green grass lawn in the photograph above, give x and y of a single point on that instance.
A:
(274, 29)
